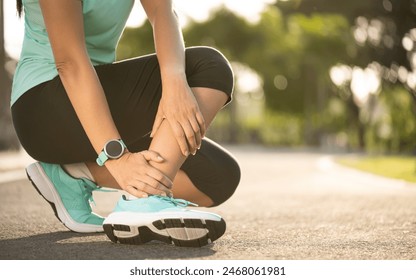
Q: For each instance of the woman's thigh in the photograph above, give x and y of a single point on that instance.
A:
(49, 129)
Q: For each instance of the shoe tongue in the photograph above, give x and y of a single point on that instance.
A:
(90, 184)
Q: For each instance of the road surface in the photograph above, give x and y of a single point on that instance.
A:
(291, 205)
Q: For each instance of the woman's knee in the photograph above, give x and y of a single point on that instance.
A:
(210, 68)
(231, 175)
(228, 173)
(214, 171)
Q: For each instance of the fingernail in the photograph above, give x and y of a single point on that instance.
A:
(144, 196)
(163, 194)
(186, 153)
(160, 158)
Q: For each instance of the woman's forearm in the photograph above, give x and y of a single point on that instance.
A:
(169, 44)
(88, 99)
(64, 23)
(178, 104)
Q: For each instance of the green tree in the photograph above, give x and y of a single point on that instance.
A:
(382, 26)
(292, 55)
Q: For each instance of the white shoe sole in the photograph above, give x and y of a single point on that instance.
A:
(46, 189)
(184, 229)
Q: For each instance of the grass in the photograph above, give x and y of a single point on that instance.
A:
(403, 168)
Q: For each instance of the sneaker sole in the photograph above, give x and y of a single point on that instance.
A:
(45, 188)
(185, 231)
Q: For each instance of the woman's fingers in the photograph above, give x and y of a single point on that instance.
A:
(180, 137)
(189, 134)
(149, 183)
(194, 131)
(201, 122)
(143, 177)
(198, 135)
(155, 176)
(141, 188)
(135, 192)
(152, 156)
(191, 137)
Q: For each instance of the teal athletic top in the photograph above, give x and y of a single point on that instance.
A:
(104, 22)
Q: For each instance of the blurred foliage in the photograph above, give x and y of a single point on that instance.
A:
(292, 48)
(397, 17)
(136, 42)
(395, 128)
(296, 50)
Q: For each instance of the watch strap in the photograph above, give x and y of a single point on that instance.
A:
(103, 157)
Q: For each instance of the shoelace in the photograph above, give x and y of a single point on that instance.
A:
(176, 201)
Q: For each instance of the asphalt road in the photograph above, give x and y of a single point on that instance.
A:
(290, 206)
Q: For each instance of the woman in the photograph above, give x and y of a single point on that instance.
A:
(136, 125)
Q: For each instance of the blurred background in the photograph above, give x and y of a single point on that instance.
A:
(338, 76)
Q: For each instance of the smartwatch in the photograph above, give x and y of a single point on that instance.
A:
(113, 149)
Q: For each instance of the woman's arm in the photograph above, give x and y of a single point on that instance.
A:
(178, 104)
(64, 24)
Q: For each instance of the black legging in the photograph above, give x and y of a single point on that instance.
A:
(50, 131)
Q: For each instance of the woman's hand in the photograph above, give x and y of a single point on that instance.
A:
(178, 104)
(136, 176)
(180, 108)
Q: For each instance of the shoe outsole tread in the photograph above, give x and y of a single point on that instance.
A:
(215, 229)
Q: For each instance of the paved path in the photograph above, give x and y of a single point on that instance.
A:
(290, 205)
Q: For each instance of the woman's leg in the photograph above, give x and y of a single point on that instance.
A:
(210, 102)
(50, 131)
(206, 68)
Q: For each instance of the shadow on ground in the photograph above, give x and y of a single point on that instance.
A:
(69, 245)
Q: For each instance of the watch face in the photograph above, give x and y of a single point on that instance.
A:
(114, 149)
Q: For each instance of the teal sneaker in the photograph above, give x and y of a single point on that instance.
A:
(69, 197)
(164, 219)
